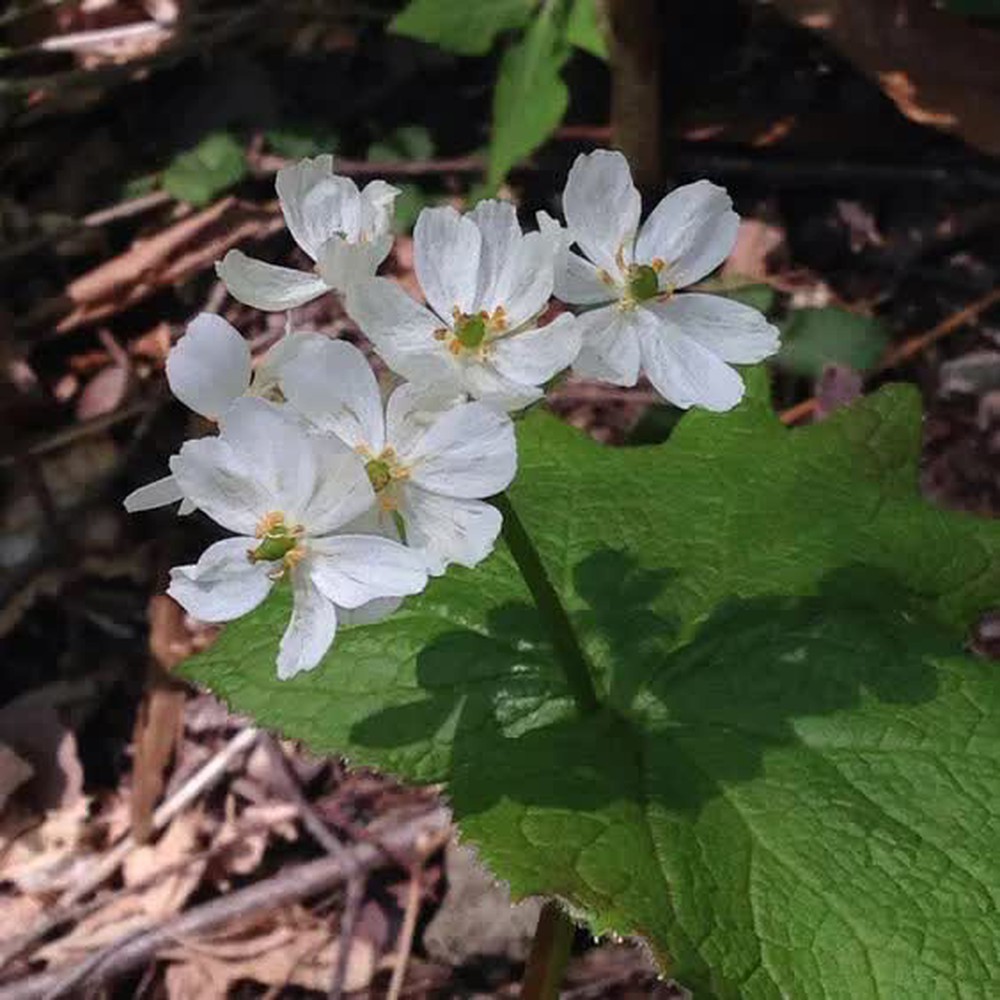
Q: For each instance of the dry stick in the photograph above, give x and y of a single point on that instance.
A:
(25, 943)
(183, 797)
(425, 832)
(909, 348)
(406, 934)
(348, 925)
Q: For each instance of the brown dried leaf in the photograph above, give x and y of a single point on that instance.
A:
(180, 842)
(295, 952)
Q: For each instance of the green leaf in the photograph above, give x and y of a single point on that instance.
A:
(298, 141)
(198, 176)
(468, 28)
(408, 142)
(812, 338)
(531, 98)
(793, 785)
(974, 8)
(412, 199)
(583, 28)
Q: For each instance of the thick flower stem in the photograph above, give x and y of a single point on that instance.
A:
(567, 648)
(549, 954)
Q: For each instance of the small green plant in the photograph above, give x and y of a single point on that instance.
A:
(201, 174)
(530, 97)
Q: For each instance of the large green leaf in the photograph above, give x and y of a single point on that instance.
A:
(468, 27)
(530, 98)
(792, 786)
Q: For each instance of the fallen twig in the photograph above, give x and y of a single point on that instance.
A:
(406, 933)
(908, 349)
(423, 832)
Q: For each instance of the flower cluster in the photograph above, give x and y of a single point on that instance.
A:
(353, 501)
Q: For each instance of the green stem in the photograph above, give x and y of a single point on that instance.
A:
(549, 954)
(564, 640)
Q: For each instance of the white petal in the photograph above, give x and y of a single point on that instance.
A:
(209, 367)
(219, 482)
(343, 490)
(737, 333)
(277, 450)
(377, 206)
(685, 373)
(270, 369)
(318, 205)
(401, 329)
(223, 584)
(609, 345)
(343, 264)
(579, 282)
(501, 236)
(334, 387)
(469, 452)
(485, 383)
(368, 614)
(446, 249)
(158, 493)
(352, 570)
(526, 282)
(311, 629)
(267, 286)
(535, 356)
(602, 207)
(692, 230)
(445, 530)
(412, 409)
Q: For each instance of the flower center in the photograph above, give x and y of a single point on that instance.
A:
(470, 331)
(279, 542)
(380, 474)
(383, 471)
(643, 282)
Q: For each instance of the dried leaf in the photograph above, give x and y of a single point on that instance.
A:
(180, 842)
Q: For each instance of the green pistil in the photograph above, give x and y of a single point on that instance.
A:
(643, 282)
(275, 545)
(379, 473)
(470, 331)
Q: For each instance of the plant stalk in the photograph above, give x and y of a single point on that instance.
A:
(564, 640)
(549, 954)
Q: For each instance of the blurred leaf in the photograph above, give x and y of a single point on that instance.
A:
(583, 29)
(298, 141)
(530, 97)
(136, 187)
(468, 27)
(412, 198)
(974, 8)
(759, 296)
(409, 142)
(812, 338)
(216, 164)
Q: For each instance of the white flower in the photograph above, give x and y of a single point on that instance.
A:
(685, 344)
(347, 232)
(285, 493)
(486, 283)
(208, 369)
(430, 459)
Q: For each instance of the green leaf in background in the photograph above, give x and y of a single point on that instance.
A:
(583, 29)
(198, 176)
(468, 27)
(408, 142)
(411, 200)
(813, 338)
(759, 296)
(530, 97)
(792, 787)
(974, 8)
(298, 141)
